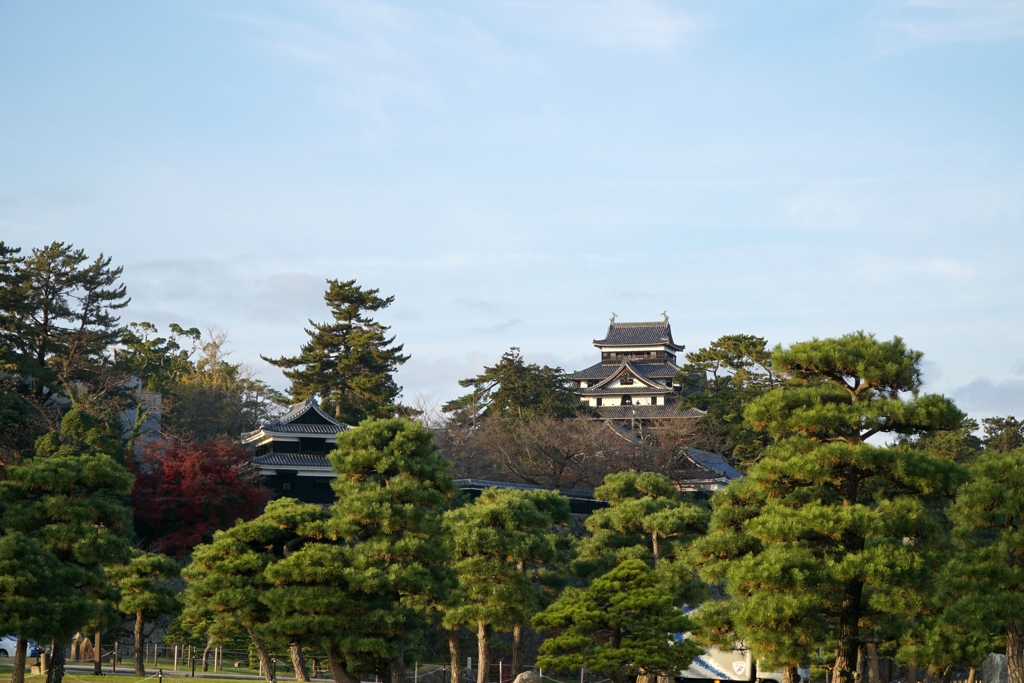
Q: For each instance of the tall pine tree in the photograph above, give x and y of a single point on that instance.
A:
(509, 548)
(393, 487)
(846, 522)
(348, 362)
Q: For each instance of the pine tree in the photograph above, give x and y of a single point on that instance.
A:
(647, 519)
(315, 598)
(29, 572)
(392, 489)
(511, 388)
(227, 578)
(623, 624)
(983, 585)
(832, 517)
(722, 379)
(145, 593)
(507, 547)
(349, 362)
(73, 498)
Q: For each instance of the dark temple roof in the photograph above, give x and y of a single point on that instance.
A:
(304, 417)
(638, 334)
(701, 465)
(291, 460)
(646, 412)
(649, 370)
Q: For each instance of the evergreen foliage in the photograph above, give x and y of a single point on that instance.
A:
(649, 520)
(1003, 433)
(722, 379)
(826, 516)
(514, 389)
(349, 362)
(392, 489)
(145, 594)
(983, 585)
(621, 625)
(72, 498)
(510, 551)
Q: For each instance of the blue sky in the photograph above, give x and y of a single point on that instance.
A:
(514, 172)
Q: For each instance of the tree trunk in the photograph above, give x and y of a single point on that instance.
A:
(616, 676)
(20, 650)
(137, 657)
(790, 674)
(849, 634)
(970, 674)
(261, 653)
(862, 666)
(336, 665)
(455, 650)
(517, 650)
(206, 653)
(97, 656)
(483, 651)
(1014, 652)
(911, 673)
(299, 662)
(874, 674)
(398, 663)
(55, 674)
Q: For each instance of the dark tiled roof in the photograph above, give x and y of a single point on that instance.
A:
(644, 412)
(649, 370)
(705, 465)
(304, 428)
(324, 424)
(297, 410)
(291, 460)
(637, 390)
(487, 484)
(637, 334)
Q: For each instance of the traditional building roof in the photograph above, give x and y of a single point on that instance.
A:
(661, 371)
(638, 334)
(642, 412)
(703, 471)
(304, 417)
(302, 460)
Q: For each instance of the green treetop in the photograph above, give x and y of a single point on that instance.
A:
(514, 389)
(984, 584)
(624, 624)
(37, 596)
(349, 362)
(647, 519)
(72, 498)
(392, 489)
(830, 511)
(1003, 433)
(227, 578)
(722, 379)
(507, 547)
(144, 589)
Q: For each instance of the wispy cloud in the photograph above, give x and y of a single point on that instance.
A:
(641, 25)
(908, 23)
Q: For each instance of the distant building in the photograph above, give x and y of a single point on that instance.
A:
(702, 473)
(291, 452)
(635, 378)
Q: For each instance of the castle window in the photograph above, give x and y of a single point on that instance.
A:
(627, 400)
(654, 400)
(598, 400)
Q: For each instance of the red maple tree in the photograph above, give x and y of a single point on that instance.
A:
(185, 492)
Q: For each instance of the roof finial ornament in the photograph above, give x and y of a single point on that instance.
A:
(664, 317)
(612, 319)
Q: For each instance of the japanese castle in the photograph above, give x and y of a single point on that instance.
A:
(291, 452)
(635, 378)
